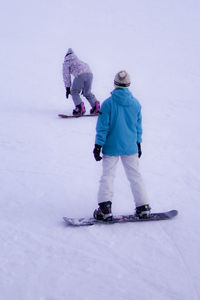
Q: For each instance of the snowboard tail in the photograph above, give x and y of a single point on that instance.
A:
(121, 219)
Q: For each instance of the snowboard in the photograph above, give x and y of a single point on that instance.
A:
(121, 219)
(71, 116)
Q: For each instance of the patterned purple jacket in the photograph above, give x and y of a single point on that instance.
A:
(73, 66)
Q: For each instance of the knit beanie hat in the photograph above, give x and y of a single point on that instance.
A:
(122, 79)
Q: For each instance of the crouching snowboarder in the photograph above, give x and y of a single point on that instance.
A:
(82, 83)
(119, 134)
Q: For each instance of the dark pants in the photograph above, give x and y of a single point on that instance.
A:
(83, 83)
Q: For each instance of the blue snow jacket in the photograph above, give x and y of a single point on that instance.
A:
(119, 127)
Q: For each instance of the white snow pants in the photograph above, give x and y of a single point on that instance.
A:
(131, 167)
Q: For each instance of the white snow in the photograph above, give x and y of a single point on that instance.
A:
(47, 168)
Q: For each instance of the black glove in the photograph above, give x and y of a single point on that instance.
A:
(139, 150)
(96, 152)
(67, 92)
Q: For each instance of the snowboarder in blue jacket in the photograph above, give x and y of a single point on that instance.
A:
(119, 135)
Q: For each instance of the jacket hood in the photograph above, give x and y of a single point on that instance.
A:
(122, 96)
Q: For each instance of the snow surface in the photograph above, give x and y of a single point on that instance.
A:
(47, 167)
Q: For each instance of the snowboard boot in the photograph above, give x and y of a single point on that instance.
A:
(95, 109)
(143, 212)
(104, 212)
(79, 110)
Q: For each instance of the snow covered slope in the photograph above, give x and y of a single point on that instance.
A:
(47, 167)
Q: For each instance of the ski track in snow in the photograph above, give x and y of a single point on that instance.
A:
(188, 274)
(139, 268)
